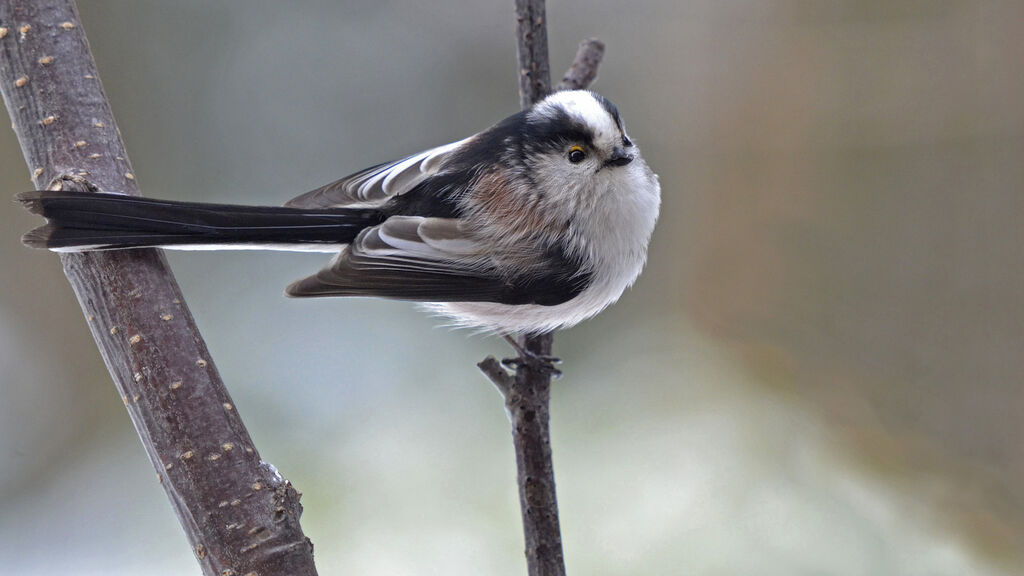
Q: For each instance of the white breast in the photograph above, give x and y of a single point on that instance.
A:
(611, 231)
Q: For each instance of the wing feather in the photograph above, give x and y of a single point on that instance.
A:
(377, 184)
(393, 260)
(436, 260)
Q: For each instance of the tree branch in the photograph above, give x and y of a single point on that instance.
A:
(532, 51)
(240, 516)
(583, 70)
(528, 405)
(528, 394)
(496, 374)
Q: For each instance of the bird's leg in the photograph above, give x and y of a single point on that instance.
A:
(536, 361)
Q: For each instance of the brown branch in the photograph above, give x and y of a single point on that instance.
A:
(532, 52)
(240, 516)
(528, 394)
(528, 406)
(501, 379)
(584, 66)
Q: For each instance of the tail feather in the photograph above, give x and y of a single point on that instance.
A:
(96, 221)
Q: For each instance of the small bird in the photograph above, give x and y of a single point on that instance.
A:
(534, 224)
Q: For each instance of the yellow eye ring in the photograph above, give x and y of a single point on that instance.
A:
(576, 154)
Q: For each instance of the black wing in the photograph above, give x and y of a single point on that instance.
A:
(375, 185)
(434, 260)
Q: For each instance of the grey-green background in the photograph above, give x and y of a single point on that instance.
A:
(820, 371)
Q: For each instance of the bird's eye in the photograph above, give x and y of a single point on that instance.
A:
(576, 154)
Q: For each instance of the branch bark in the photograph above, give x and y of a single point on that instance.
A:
(240, 516)
(583, 70)
(532, 50)
(528, 394)
(529, 397)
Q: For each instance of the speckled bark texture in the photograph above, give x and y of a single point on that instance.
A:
(584, 66)
(532, 51)
(528, 393)
(528, 401)
(240, 516)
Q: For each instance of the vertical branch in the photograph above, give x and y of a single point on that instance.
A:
(528, 393)
(240, 516)
(529, 396)
(528, 405)
(532, 50)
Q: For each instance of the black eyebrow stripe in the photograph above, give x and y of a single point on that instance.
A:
(558, 128)
(611, 109)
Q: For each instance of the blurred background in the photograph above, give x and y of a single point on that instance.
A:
(820, 371)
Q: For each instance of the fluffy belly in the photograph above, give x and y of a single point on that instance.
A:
(529, 318)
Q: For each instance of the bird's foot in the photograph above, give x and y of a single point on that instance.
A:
(531, 360)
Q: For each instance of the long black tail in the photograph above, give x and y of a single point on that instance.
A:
(79, 221)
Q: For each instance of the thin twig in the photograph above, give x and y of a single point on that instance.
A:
(529, 398)
(528, 406)
(584, 66)
(240, 516)
(496, 374)
(532, 51)
(528, 393)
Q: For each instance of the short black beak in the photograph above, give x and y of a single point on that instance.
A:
(619, 158)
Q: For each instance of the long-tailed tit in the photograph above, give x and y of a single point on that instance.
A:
(536, 223)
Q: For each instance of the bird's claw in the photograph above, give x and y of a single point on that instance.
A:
(535, 362)
(531, 360)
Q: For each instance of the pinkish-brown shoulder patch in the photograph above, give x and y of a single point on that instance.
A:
(507, 205)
